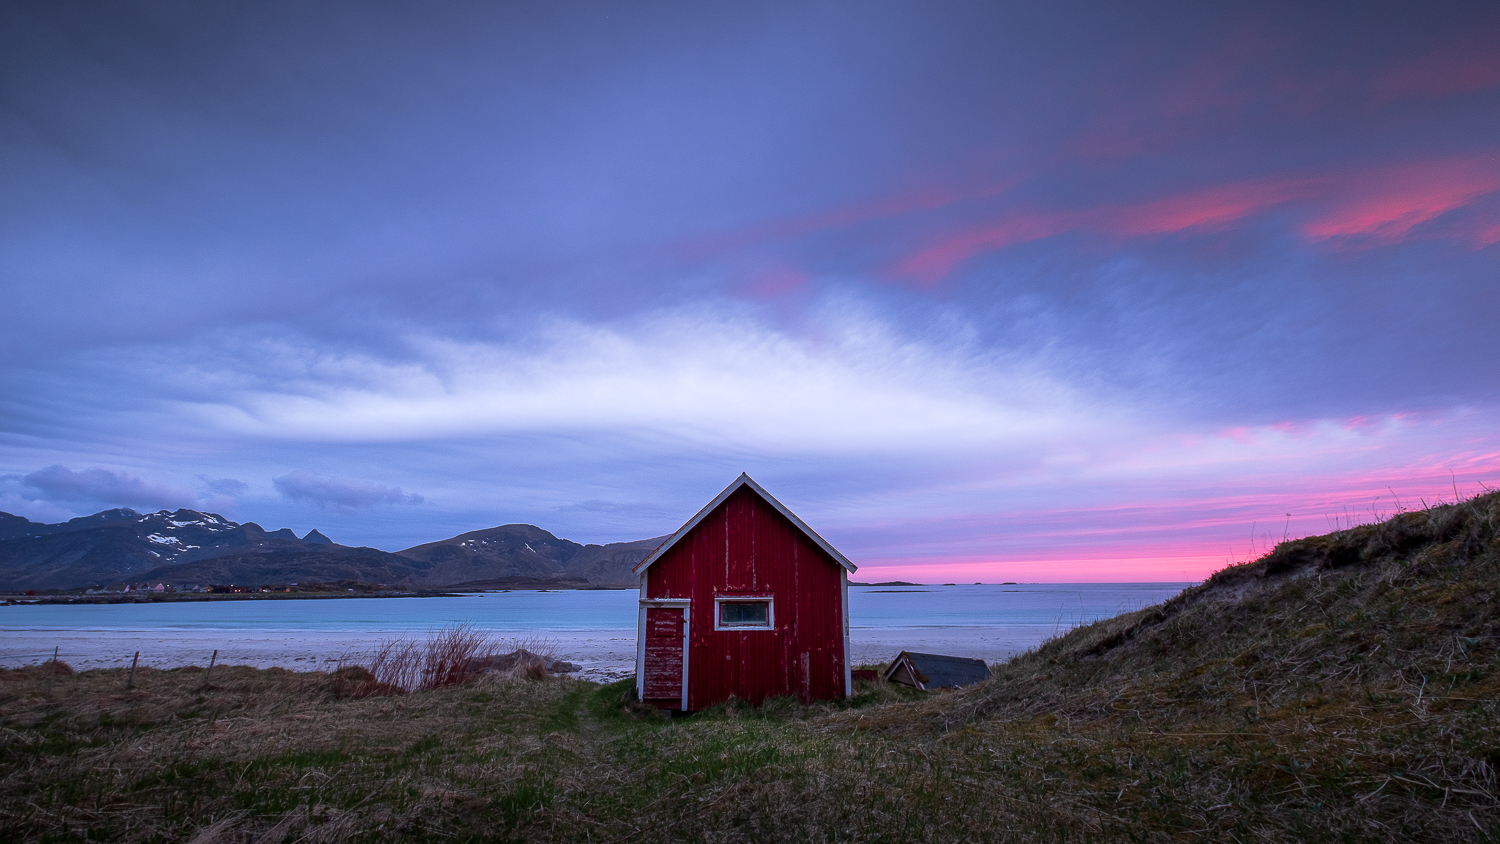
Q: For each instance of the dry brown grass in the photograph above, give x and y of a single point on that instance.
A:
(447, 657)
(40, 671)
(442, 660)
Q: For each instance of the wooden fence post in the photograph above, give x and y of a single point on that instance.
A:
(130, 680)
(211, 660)
(53, 672)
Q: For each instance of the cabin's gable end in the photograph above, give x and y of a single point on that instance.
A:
(767, 603)
(739, 483)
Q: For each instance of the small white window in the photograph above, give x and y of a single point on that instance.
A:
(750, 612)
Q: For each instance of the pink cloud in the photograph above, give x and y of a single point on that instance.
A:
(775, 283)
(1380, 204)
(1303, 428)
(1260, 71)
(917, 200)
(933, 263)
(1213, 89)
(1384, 206)
(1467, 66)
(1211, 208)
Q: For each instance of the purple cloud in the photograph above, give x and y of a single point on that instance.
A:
(106, 486)
(230, 487)
(340, 494)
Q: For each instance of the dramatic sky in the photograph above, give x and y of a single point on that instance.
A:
(984, 291)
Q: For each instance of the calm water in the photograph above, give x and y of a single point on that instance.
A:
(1057, 605)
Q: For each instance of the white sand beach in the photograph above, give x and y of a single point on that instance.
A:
(603, 655)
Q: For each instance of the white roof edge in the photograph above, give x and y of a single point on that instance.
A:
(743, 480)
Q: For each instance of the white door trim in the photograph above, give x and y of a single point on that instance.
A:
(684, 604)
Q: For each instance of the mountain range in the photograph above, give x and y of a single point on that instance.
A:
(189, 547)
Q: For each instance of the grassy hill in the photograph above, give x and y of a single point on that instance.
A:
(1343, 688)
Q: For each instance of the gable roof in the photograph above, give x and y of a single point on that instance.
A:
(743, 480)
(937, 671)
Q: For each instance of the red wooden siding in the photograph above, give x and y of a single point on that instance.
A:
(745, 547)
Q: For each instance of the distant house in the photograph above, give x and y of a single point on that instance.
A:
(744, 600)
(935, 671)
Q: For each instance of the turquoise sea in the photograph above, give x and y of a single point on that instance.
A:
(1059, 606)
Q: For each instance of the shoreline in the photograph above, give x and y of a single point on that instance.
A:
(604, 655)
(13, 599)
(200, 597)
(55, 597)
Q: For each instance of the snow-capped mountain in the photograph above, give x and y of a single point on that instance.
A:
(123, 545)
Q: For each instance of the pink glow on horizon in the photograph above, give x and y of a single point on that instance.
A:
(1188, 568)
(1183, 538)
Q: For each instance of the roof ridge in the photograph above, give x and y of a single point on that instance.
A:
(742, 481)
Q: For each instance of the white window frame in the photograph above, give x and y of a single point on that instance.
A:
(768, 600)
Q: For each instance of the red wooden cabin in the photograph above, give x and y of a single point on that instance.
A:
(744, 600)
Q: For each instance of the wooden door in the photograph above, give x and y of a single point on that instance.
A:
(666, 649)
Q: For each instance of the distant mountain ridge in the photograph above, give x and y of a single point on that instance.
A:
(528, 551)
(189, 547)
(122, 545)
